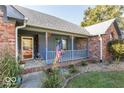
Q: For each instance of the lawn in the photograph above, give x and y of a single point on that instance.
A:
(98, 80)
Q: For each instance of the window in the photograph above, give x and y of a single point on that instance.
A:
(64, 44)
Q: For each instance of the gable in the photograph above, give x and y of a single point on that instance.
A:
(13, 13)
(114, 31)
(99, 28)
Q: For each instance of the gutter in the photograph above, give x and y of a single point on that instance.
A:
(16, 36)
(101, 48)
(61, 31)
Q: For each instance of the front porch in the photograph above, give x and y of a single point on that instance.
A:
(43, 46)
(68, 55)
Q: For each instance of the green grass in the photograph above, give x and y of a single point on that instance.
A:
(98, 80)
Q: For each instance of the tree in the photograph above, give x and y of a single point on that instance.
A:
(120, 21)
(101, 13)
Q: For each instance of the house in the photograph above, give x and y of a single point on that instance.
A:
(30, 34)
(101, 34)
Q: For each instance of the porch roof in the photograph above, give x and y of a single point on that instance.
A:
(39, 19)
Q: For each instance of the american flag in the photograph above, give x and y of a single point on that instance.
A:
(58, 51)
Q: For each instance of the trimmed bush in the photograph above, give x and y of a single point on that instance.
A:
(116, 48)
(72, 68)
(84, 63)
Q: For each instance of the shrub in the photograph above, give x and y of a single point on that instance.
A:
(49, 71)
(65, 73)
(72, 68)
(116, 48)
(9, 68)
(53, 79)
(84, 63)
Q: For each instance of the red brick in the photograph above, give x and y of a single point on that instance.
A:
(94, 48)
(7, 35)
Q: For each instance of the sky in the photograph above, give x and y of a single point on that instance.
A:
(71, 13)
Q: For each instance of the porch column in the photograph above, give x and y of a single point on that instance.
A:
(101, 48)
(46, 38)
(72, 45)
(87, 47)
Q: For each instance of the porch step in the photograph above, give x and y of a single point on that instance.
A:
(41, 68)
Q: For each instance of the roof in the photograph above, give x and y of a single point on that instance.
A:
(12, 13)
(99, 28)
(39, 19)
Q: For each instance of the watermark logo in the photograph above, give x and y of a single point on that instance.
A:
(9, 81)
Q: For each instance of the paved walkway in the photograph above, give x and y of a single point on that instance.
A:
(34, 63)
(32, 80)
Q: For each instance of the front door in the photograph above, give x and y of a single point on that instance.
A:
(27, 47)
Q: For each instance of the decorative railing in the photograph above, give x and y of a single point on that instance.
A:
(68, 55)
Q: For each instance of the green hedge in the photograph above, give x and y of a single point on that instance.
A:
(116, 48)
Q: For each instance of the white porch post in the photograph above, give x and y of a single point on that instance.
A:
(72, 45)
(46, 38)
(87, 47)
(16, 45)
(101, 48)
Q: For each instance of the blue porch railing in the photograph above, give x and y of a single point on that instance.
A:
(68, 55)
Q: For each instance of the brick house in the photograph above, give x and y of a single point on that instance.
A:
(30, 34)
(101, 34)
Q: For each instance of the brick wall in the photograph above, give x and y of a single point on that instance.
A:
(106, 39)
(80, 43)
(7, 35)
(94, 45)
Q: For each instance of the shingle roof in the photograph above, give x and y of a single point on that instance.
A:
(99, 28)
(39, 19)
(12, 13)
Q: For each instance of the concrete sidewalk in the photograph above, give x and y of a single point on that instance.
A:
(32, 80)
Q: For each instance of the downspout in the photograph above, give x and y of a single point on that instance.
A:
(16, 36)
(101, 48)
